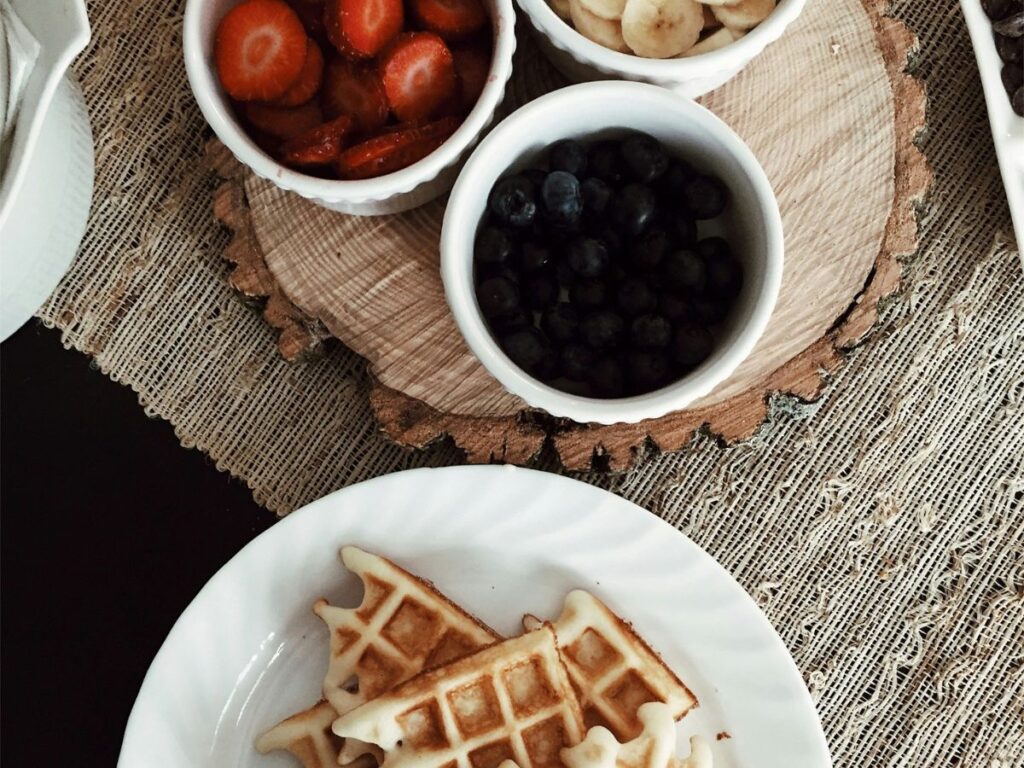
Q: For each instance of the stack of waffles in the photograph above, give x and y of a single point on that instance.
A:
(414, 681)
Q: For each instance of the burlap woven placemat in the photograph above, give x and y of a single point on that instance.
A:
(881, 528)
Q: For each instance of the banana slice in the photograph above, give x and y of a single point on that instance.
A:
(718, 2)
(601, 31)
(660, 29)
(713, 42)
(605, 9)
(561, 7)
(745, 14)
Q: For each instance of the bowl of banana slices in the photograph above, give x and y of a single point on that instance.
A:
(689, 46)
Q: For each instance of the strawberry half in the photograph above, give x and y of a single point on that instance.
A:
(319, 146)
(418, 73)
(259, 49)
(284, 122)
(309, 80)
(362, 28)
(473, 67)
(355, 90)
(451, 19)
(394, 150)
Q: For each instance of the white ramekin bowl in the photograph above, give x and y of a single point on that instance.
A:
(580, 59)
(418, 184)
(690, 131)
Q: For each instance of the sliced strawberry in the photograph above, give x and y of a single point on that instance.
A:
(418, 74)
(284, 122)
(260, 49)
(473, 66)
(312, 17)
(355, 90)
(362, 28)
(320, 146)
(308, 83)
(394, 150)
(451, 19)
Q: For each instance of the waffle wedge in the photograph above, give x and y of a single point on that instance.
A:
(613, 670)
(511, 701)
(402, 626)
(655, 747)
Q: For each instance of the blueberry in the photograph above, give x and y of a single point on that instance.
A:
(1017, 101)
(633, 208)
(635, 297)
(713, 249)
(569, 156)
(561, 199)
(535, 258)
(607, 378)
(650, 332)
(590, 294)
(514, 320)
(1011, 26)
(493, 247)
(997, 9)
(649, 250)
(597, 194)
(705, 196)
(613, 241)
(725, 277)
(528, 349)
(602, 329)
(685, 271)
(605, 162)
(588, 257)
(513, 201)
(710, 311)
(676, 177)
(560, 322)
(673, 307)
(648, 369)
(1012, 76)
(1009, 49)
(691, 345)
(497, 296)
(539, 291)
(575, 361)
(685, 227)
(644, 157)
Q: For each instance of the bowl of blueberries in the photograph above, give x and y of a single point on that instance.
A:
(611, 252)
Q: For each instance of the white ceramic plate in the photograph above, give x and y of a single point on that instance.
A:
(501, 542)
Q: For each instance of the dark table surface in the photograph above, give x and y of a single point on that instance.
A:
(108, 529)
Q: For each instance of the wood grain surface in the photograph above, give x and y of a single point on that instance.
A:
(829, 113)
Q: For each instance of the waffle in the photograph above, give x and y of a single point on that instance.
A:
(402, 627)
(613, 670)
(512, 701)
(655, 747)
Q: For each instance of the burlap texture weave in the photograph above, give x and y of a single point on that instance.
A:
(881, 528)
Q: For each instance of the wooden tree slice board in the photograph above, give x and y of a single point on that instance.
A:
(832, 118)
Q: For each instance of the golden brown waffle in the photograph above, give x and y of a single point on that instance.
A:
(402, 627)
(655, 747)
(307, 735)
(613, 669)
(511, 701)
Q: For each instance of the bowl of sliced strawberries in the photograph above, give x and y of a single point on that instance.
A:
(363, 106)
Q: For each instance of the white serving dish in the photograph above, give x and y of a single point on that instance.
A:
(581, 59)
(501, 542)
(410, 187)
(46, 184)
(692, 132)
(1007, 125)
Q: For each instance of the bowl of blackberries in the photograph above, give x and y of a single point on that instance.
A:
(612, 252)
